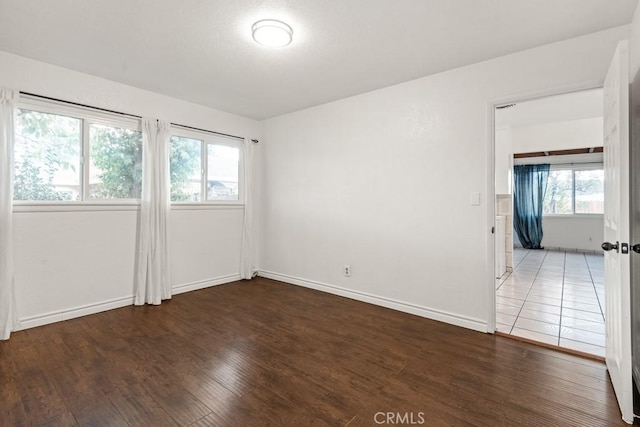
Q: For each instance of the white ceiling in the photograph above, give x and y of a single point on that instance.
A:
(202, 51)
(570, 106)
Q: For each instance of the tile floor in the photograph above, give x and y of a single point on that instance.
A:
(555, 297)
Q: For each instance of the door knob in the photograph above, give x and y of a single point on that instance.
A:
(609, 246)
(636, 248)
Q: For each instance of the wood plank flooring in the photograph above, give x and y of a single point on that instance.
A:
(263, 353)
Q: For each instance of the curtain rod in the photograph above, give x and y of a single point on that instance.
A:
(48, 98)
(255, 141)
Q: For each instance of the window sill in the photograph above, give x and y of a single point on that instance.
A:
(205, 206)
(21, 207)
(574, 216)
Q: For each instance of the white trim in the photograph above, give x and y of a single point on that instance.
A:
(205, 206)
(491, 172)
(98, 307)
(211, 138)
(570, 161)
(429, 313)
(72, 313)
(207, 283)
(531, 95)
(74, 207)
(574, 216)
(106, 207)
(89, 116)
(490, 244)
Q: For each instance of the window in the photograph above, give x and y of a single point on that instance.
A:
(47, 157)
(185, 163)
(115, 167)
(63, 153)
(558, 200)
(222, 172)
(589, 191)
(575, 190)
(195, 156)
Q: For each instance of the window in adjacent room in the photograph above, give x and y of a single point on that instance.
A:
(574, 190)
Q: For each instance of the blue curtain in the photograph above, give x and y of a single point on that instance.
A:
(528, 194)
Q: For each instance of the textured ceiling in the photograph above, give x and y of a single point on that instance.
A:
(202, 51)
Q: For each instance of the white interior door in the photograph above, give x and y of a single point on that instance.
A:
(616, 230)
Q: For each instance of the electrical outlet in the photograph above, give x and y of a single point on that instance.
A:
(347, 270)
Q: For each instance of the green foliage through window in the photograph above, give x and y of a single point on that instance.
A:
(193, 159)
(185, 163)
(572, 191)
(116, 163)
(47, 157)
(58, 157)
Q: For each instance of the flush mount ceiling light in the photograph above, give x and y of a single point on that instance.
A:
(272, 33)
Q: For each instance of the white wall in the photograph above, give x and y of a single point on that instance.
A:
(72, 263)
(585, 233)
(562, 135)
(577, 232)
(382, 181)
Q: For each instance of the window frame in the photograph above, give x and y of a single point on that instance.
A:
(88, 117)
(573, 168)
(205, 139)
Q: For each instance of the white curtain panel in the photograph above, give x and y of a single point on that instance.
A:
(153, 280)
(246, 254)
(8, 318)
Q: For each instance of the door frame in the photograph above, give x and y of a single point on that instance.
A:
(490, 184)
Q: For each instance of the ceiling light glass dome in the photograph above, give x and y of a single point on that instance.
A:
(272, 33)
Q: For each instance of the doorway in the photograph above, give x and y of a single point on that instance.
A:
(553, 294)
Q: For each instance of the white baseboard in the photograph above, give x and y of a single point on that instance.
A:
(429, 313)
(85, 310)
(72, 313)
(194, 286)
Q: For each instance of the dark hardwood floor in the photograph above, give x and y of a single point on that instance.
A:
(265, 353)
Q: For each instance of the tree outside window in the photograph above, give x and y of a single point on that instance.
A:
(47, 157)
(572, 191)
